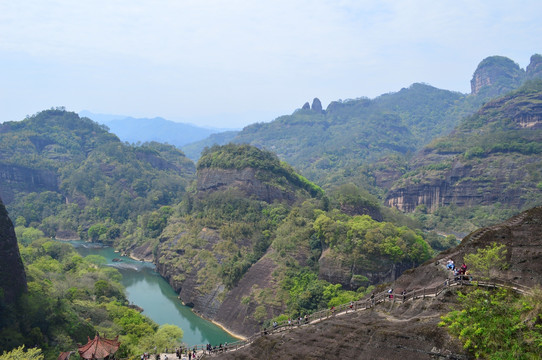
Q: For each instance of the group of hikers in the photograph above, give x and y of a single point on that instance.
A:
(184, 353)
(460, 273)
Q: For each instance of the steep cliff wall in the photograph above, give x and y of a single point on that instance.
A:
(496, 75)
(12, 275)
(493, 156)
(411, 330)
(248, 180)
(337, 270)
(189, 271)
(466, 184)
(15, 178)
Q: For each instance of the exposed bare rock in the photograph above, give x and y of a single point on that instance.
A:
(238, 314)
(481, 162)
(19, 178)
(12, 274)
(336, 270)
(534, 69)
(246, 180)
(316, 105)
(496, 75)
(143, 252)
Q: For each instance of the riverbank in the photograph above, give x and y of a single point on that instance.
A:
(147, 289)
(238, 336)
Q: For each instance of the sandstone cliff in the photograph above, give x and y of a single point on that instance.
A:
(493, 157)
(189, 268)
(339, 270)
(12, 274)
(17, 178)
(496, 75)
(219, 255)
(248, 180)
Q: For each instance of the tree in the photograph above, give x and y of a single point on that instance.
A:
(20, 354)
(486, 260)
(167, 336)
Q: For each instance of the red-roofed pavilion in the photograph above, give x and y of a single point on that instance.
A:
(99, 348)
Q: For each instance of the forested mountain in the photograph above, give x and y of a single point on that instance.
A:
(71, 178)
(257, 240)
(489, 167)
(353, 132)
(343, 142)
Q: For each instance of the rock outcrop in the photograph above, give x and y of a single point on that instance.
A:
(12, 274)
(15, 178)
(316, 105)
(496, 75)
(465, 184)
(534, 69)
(246, 180)
(338, 271)
(213, 300)
(483, 161)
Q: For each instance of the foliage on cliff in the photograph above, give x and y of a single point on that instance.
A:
(69, 298)
(498, 324)
(92, 179)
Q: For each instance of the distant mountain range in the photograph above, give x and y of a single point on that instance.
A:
(134, 130)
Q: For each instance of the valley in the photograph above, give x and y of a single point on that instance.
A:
(280, 220)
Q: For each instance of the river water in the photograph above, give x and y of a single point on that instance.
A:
(147, 289)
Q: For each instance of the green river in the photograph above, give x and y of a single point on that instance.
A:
(148, 290)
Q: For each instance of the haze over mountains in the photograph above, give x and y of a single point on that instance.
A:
(134, 130)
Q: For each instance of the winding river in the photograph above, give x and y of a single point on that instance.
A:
(148, 290)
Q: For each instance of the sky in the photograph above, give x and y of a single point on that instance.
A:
(231, 63)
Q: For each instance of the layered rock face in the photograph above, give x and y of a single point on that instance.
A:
(19, 178)
(217, 303)
(466, 184)
(337, 271)
(212, 179)
(496, 75)
(492, 157)
(12, 275)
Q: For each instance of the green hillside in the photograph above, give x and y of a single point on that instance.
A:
(329, 146)
(486, 170)
(241, 259)
(70, 177)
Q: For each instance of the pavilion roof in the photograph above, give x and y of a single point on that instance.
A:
(99, 347)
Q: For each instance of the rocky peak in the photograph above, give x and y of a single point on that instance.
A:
(12, 275)
(496, 75)
(306, 106)
(316, 105)
(534, 69)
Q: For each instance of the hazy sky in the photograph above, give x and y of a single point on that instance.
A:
(231, 63)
